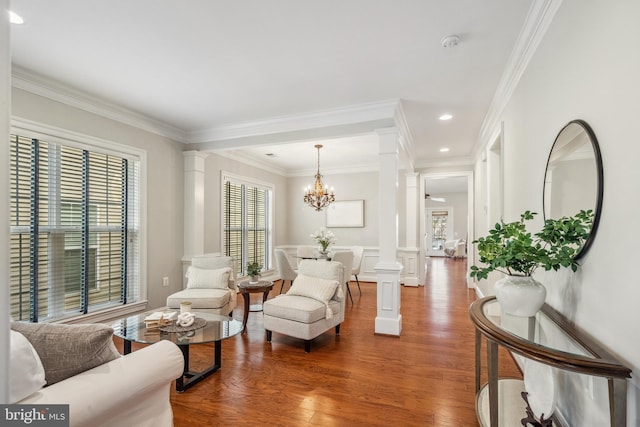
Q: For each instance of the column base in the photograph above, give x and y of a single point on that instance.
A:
(387, 326)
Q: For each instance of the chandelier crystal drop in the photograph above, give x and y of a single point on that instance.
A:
(318, 196)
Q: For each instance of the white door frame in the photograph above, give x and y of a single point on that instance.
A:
(470, 217)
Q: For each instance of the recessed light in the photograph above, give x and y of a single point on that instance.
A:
(446, 117)
(444, 150)
(14, 18)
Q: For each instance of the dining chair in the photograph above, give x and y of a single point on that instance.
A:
(346, 259)
(285, 270)
(358, 254)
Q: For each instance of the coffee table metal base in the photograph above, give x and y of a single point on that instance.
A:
(190, 378)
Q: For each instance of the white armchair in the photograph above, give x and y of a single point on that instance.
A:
(314, 304)
(211, 285)
(455, 248)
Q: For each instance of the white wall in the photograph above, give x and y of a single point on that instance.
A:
(303, 220)
(165, 176)
(587, 67)
(5, 111)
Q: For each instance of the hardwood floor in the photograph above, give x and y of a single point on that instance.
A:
(424, 377)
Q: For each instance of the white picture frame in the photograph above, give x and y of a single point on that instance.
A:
(345, 214)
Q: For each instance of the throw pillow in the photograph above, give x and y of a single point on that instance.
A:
(207, 278)
(314, 287)
(27, 374)
(67, 350)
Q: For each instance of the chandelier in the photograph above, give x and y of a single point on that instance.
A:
(318, 196)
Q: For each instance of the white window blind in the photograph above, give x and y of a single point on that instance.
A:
(246, 234)
(74, 236)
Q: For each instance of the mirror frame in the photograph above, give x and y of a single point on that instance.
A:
(597, 209)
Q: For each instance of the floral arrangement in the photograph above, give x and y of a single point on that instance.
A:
(325, 238)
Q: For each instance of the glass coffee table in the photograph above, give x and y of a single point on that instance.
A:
(215, 329)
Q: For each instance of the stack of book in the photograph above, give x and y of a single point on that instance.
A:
(158, 319)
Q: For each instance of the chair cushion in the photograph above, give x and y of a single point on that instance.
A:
(27, 373)
(208, 278)
(298, 308)
(314, 287)
(67, 350)
(200, 298)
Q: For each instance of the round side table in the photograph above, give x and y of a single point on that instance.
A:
(246, 289)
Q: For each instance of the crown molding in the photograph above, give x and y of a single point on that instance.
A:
(49, 88)
(537, 22)
(297, 122)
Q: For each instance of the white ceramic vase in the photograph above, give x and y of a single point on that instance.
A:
(520, 295)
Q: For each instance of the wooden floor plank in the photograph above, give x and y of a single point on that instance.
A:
(425, 377)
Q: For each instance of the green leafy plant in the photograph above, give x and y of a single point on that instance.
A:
(254, 269)
(511, 249)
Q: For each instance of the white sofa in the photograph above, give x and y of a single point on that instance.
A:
(132, 390)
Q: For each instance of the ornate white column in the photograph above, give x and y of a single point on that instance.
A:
(388, 319)
(412, 250)
(193, 203)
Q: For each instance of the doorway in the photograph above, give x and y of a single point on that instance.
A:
(439, 229)
(446, 212)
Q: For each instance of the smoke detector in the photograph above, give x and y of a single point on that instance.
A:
(450, 41)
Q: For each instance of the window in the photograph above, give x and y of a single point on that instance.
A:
(246, 218)
(74, 229)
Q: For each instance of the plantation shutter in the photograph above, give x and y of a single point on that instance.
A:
(233, 223)
(246, 229)
(73, 230)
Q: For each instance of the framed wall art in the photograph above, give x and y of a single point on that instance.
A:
(345, 214)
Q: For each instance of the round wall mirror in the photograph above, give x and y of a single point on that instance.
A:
(573, 179)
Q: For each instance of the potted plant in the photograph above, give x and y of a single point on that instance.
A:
(512, 250)
(253, 270)
(325, 239)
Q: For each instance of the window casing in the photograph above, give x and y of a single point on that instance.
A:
(246, 230)
(75, 235)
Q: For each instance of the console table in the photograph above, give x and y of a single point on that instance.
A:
(547, 338)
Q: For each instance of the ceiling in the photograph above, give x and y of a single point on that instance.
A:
(201, 65)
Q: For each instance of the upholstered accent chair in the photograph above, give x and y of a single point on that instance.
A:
(211, 285)
(455, 248)
(285, 270)
(358, 254)
(346, 259)
(314, 304)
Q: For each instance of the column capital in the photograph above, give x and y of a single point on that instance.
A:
(194, 160)
(389, 140)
